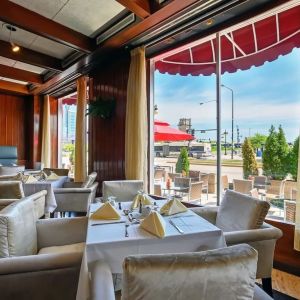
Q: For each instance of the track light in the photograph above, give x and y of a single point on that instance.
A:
(14, 47)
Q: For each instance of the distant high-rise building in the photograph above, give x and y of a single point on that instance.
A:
(69, 122)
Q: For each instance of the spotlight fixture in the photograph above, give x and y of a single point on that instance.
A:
(209, 22)
(14, 47)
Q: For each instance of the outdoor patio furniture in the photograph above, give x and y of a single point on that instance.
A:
(40, 259)
(157, 189)
(260, 182)
(193, 190)
(159, 174)
(172, 176)
(123, 190)
(275, 190)
(204, 179)
(243, 186)
(240, 216)
(290, 188)
(194, 175)
(195, 275)
(289, 211)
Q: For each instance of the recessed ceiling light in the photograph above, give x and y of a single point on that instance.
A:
(209, 22)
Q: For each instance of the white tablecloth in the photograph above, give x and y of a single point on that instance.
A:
(108, 242)
(48, 185)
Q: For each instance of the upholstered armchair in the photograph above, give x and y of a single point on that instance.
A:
(11, 170)
(227, 273)
(124, 190)
(39, 259)
(241, 219)
(57, 171)
(76, 196)
(11, 191)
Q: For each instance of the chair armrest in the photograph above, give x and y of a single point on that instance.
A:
(37, 195)
(58, 232)
(266, 232)
(72, 190)
(102, 286)
(36, 263)
(209, 213)
(6, 202)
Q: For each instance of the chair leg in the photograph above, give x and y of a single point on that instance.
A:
(267, 285)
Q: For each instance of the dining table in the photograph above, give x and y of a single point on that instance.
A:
(48, 185)
(107, 240)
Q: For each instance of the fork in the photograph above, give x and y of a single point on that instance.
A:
(126, 231)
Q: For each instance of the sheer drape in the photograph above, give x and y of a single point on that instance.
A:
(297, 225)
(80, 171)
(136, 132)
(46, 135)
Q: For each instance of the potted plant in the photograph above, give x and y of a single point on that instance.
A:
(183, 164)
(103, 108)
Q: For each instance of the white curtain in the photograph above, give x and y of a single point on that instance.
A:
(136, 124)
(46, 135)
(297, 225)
(80, 171)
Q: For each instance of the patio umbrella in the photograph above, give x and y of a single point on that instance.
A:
(163, 132)
(251, 43)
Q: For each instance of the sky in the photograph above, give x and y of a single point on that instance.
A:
(263, 96)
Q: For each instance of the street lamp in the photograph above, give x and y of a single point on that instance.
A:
(201, 103)
(232, 144)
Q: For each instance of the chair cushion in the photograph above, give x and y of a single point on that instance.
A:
(78, 247)
(89, 180)
(11, 190)
(241, 212)
(18, 235)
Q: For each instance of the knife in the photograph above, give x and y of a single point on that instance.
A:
(178, 229)
(118, 222)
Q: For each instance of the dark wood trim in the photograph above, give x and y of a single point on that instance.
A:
(285, 257)
(30, 57)
(33, 22)
(141, 8)
(18, 74)
(7, 86)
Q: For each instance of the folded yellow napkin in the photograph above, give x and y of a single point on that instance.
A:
(106, 212)
(154, 224)
(29, 179)
(140, 197)
(52, 176)
(172, 207)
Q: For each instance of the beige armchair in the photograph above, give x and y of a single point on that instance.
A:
(57, 171)
(227, 273)
(124, 190)
(241, 219)
(39, 259)
(76, 196)
(11, 191)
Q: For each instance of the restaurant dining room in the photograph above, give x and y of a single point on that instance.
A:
(86, 212)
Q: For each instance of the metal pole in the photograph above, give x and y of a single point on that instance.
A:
(218, 106)
(232, 144)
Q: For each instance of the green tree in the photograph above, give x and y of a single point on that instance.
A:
(183, 163)
(283, 150)
(258, 140)
(271, 159)
(249, 161)
(292, 159)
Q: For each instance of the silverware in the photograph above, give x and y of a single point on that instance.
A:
(178, 229)
(126, 232)
(117, 222)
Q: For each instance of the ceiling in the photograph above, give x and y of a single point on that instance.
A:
(58, 38)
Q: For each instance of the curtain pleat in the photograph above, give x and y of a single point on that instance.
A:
(136, 129)
(297, 224)
(46, 135)
(80, 171)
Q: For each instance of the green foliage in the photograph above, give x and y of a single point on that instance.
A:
(70, 148)
(275, 154)
(183, 163)
(258, 140)
(292, 159)
(103, 108)
(249, 161)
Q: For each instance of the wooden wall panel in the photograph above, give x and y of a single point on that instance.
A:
(286, 258)
(107, 137)
(14, 127)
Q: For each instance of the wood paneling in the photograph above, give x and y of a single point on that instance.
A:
(14, 127)
(285, 257)
(107, 137)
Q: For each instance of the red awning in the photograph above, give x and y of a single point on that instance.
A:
(164, 133)
(251, 44)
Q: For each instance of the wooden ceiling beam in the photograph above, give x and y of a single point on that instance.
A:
(30, 57)
(141, 8)
(33, 22)
(11, 87)
(18, 74)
